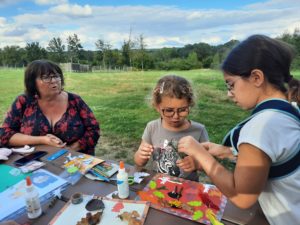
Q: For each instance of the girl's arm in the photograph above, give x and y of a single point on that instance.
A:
(242, 186)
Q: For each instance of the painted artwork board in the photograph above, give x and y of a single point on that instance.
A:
(192, 200)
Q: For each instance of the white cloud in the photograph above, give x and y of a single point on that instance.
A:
(160, 25)
(274, 4)
(72, 10)
(50, 2)
(4, 3)
(2, 21)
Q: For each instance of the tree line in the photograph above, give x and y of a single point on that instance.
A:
(133, 53)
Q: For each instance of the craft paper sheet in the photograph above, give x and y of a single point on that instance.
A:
(12, 200)
(72, 213)
(188, 199)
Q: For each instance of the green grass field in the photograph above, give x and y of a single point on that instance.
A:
(121, 103)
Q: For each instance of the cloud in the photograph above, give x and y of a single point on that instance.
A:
(50, 2)
(72, 10)
(161, 25)
(2, 21)
(4, 3)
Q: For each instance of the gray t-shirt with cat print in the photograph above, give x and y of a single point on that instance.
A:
(164, 158)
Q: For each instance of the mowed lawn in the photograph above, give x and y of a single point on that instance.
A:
(121, 103)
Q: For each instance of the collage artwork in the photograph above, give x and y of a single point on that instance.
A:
(102, 211)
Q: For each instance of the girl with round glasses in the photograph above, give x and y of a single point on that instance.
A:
(172, 98)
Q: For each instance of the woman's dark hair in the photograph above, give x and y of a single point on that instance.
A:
(173, 86)
(36, 69)
(273, 57)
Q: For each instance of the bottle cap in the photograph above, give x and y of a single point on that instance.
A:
(28, 181)
(121, 165)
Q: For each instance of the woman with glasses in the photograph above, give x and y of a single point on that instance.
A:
(257, 73)
(172, 98)
(46, 114)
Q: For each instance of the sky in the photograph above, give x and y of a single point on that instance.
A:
(166, 23)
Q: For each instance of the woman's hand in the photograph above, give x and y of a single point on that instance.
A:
(52, 140)
(75, 146)
(187, 164)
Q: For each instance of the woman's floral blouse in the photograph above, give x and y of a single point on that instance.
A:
(78, 123)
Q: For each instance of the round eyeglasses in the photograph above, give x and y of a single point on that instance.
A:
(48, 78)
(170, 112)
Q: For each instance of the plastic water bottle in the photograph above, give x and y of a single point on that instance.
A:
(33, 205)
(122, 182)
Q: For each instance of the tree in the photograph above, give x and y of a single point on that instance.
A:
(10, 56)
(142, 50)
(74, 47)
(34, 51)
(57, 49)
(192, 61)
(104, 52)
(127, 51)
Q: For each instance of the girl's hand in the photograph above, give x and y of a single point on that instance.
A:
(219, 151)
(52, 140)
(189, 145)
(187, 164)
(145, 151)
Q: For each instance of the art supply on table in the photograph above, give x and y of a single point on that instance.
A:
(57, 154)
(106, 169)
(122, 182)
(76, 198)
(4, 153)
(32, 200)
(72, 176)
(10, 176)
(97, 175)
(31, 166)
(24, 150)
(82, 162)
(44, 181)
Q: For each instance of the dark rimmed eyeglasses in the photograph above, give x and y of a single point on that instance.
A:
(48, 78)
(170, 112)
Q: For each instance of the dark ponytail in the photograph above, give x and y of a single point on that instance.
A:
(294, 90)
